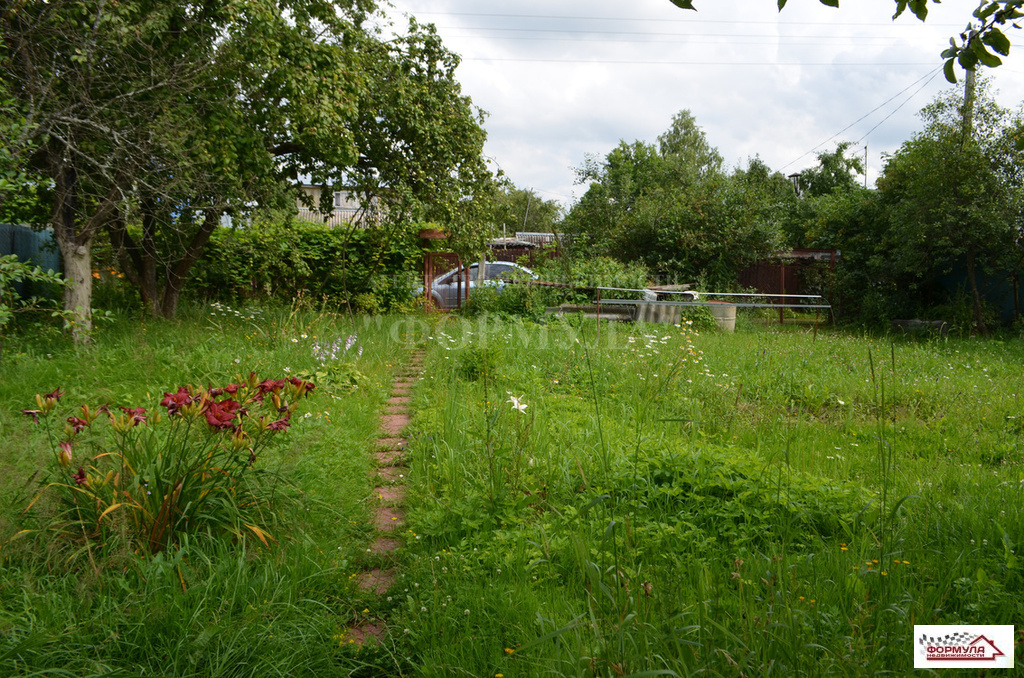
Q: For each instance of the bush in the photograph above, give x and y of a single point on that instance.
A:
(371, 269)
(155, 478)
(37, 289)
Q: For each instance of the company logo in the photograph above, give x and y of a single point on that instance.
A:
(963, 646)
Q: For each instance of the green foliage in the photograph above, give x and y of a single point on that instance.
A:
(644, 514)
(21, 193)
(371, 268)
(510, 300)
(420, 139)
(673, 209)
(208, 606)
(16, 273)
(518, 209)
(834, 172)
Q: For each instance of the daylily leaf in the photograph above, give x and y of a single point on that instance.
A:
(684, 4)
(109, 509)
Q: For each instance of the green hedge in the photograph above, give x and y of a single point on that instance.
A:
(374, 269)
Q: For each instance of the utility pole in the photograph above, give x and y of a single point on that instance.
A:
(967, 131)
(865, 165)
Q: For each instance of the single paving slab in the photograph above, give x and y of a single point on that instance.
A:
(394, 494)
(394, 424)
(388, 518)
(376, 580)
(389, 457)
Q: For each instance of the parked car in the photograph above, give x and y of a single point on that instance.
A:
(449, 290)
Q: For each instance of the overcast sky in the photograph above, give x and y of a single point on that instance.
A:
(561, 79)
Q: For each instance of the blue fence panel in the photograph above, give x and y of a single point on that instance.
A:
(37, 247)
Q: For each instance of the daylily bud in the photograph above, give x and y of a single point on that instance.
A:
(253, 380)
(64, 456)
(47, 404)
(49, 401)
(80, 477)
(238, 439)
(276, 399)
(88, 415)
(120, 423)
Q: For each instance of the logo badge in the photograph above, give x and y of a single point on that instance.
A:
(963, 646)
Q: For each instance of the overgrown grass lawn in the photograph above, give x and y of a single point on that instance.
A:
(629, 500)
(210, 604)
(672, 503)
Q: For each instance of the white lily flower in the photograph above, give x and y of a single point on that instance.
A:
(517, 403)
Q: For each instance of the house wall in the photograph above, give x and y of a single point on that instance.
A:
(346, 210)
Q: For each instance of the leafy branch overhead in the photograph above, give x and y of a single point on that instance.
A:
(981, 42)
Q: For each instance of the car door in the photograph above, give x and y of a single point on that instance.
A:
(455, 289)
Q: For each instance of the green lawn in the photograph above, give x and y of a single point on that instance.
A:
(668, 502)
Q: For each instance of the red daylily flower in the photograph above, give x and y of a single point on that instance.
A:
(55, 394)
(308, 386)
(77, 424)
(32, 413)
(230, 389)
(174, 402)
(80, 477)
(271, 385)
(221, 415)
(138, 414)
(279, 425)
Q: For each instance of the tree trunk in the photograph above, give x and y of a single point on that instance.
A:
(140, 260)
(138, 266)
(76, 253)
(178, 273)
(149, 290)
(78, 293)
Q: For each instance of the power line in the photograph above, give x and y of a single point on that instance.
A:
(926, 77)
(630, 62)
(934, 75)
(700, 34)
(667, 21)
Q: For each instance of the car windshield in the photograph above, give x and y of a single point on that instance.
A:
(495, 270)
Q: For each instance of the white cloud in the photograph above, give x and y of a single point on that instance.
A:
(562, 79)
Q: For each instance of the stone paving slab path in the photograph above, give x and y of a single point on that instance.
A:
(388, 512)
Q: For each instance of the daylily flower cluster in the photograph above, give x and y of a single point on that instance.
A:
(211, 440)
(228, 413)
